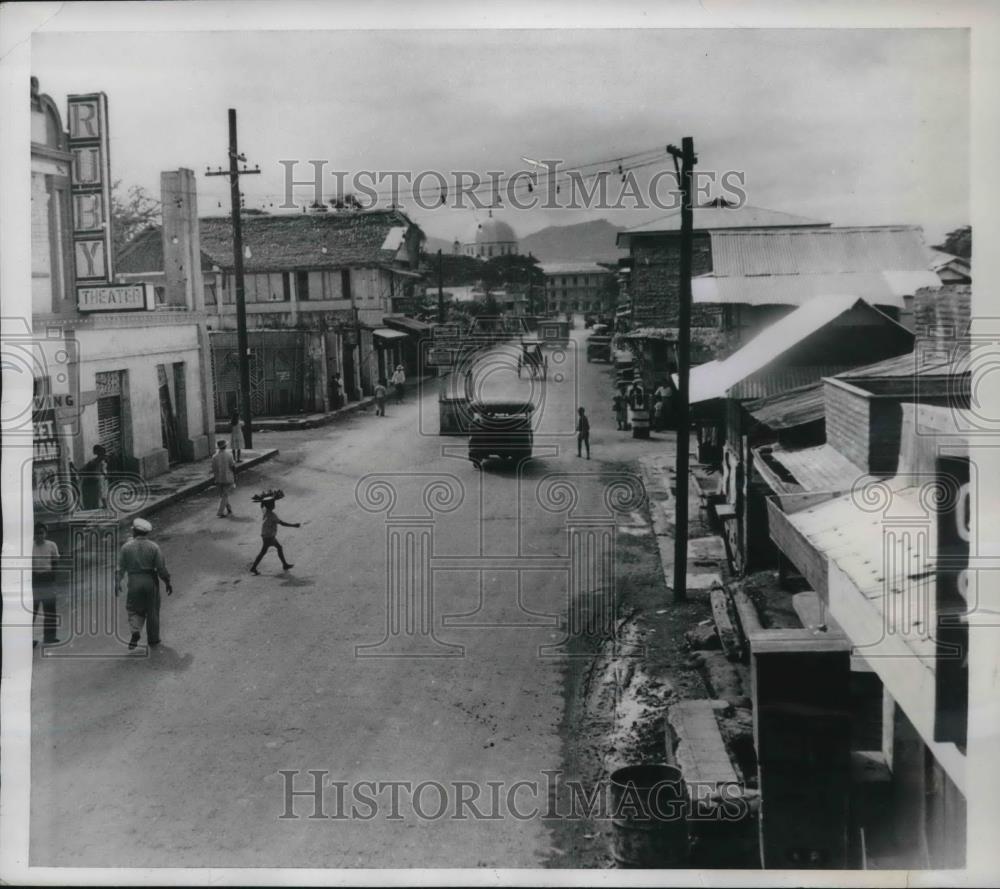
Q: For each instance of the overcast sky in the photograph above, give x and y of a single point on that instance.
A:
(851, 126)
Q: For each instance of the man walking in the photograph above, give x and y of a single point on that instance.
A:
(142, 562)
(582, 432)
(44, 558)
(399, 381)
(224, 473)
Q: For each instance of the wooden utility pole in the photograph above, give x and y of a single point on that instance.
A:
(441, 318)
(243, 345)
(688, 160)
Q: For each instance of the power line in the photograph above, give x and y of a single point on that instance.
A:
(524, 180)
(521, 186)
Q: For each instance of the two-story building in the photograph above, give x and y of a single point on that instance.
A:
(325, 293)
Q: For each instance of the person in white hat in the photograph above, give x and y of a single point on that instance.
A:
(142, 562)
(399, 382)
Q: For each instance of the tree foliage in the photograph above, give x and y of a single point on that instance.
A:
(133, 210)
(958, 242)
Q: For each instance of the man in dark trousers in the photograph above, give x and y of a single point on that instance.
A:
(44, 559)
(142, 562)
(582, 432)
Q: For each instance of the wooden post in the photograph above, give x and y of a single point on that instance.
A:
(688, 161)
(234, 173)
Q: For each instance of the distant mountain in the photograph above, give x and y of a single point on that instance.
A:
(432, 245)
(593, 241)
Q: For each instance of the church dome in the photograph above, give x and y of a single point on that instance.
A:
(490, 237)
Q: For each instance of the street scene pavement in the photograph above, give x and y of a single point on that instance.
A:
(172, 755)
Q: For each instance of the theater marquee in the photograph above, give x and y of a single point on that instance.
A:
(91, 188)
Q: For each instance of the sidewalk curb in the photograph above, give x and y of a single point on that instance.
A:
(313, 421)
(194, 488)
(310, 422)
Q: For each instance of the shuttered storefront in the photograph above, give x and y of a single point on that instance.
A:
(278, 372)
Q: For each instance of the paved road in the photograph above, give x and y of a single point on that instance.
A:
(173, 759)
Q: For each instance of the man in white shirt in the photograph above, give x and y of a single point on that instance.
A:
(398, 381)
(44, 560)
(224, 474)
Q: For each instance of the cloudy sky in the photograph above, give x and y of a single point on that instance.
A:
(852, 126)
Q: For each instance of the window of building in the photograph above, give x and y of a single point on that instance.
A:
(345, 284)
(302, 285)
(286, 286)
(574, 280)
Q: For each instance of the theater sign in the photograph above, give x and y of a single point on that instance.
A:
(91, 198)
(115, 298)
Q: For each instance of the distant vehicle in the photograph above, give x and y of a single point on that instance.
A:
(553, 332)
(533, 358)
(500, 429)
(588, 321)
(599, 345)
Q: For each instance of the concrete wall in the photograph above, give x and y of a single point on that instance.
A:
(138, 350)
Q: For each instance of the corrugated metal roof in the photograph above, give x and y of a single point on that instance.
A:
(880, 264)
(771, 381)
(715, 218)
(877, 288)
(894, 571)
(923, 362)
(714, 379)
(788, 409)
(832, 251)
(810, 470)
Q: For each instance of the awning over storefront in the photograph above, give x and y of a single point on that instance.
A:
(384, 333)
(407, 325)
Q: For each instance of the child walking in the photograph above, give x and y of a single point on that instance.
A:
(380, 393)
(269, 535)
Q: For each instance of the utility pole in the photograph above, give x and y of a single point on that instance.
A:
(688, 160)
(234, 173)
(440, 288)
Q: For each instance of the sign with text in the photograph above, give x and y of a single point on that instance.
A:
(115, 298)
(90, 176)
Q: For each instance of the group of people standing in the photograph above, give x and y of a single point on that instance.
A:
(631, 398)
